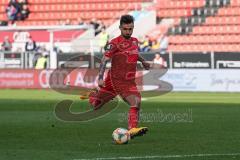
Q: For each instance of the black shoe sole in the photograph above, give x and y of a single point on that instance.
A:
(140, 133)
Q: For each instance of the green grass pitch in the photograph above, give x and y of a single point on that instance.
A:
(182, 126)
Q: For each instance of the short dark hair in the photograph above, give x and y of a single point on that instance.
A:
(126, 19)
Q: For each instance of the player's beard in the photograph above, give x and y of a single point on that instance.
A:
(127, 36)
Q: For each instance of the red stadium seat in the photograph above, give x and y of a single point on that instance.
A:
(42, 10)
(220, 32)
(235, 3)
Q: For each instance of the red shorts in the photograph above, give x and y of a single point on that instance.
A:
(112, 88)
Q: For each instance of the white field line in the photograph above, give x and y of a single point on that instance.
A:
(164, 156)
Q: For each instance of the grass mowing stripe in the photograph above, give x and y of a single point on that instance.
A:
(29, 129)
(166, 156)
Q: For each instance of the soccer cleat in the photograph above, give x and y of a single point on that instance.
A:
(86, 94)
(134, 132)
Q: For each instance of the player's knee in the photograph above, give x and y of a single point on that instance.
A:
(94, 101)
(96, 104)
(134, 101)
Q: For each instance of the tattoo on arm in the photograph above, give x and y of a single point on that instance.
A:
(102, 68)
(141, 59)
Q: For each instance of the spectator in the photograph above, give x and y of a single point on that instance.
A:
(95, 25)
(61, 22)
(17, 10)
(41, 62)
(24, 12)
(45, 52)
(93, 22)
(155, 45)
(23, 2)
(57, 50)
(30, 49)
(12, 10)
(11, 13)
(6, 45)
(144, 44)
(40, 51)
(163, 43)
(30, 45)
(104, 37)
(68, 22)
(100, 27)
(80, 21)
(158, 61)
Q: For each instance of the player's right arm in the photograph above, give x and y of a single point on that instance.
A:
(102, 68)
(145, 64)
(111, 48)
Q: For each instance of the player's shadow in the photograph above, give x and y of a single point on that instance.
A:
(63, 111)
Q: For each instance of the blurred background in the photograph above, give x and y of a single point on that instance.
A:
(196, 43)
(197, 40)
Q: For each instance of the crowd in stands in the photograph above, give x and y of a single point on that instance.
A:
(148, 44)
(34, 52)
(17, 10)
(38, 54)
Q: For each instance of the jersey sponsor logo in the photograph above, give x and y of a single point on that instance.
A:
(125, 45)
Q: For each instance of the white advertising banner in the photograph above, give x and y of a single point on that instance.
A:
(206, 80)
(203, 80)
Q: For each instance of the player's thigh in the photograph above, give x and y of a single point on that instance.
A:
(107, 92)
(102, 95)
(106, 95)
(98, 98)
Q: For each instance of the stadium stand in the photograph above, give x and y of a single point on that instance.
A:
(214, 27)
(51, 12)
(192, 25)
(174, 10)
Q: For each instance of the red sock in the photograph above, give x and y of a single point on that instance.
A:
(133, 117)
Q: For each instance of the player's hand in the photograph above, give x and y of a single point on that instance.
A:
(146, 65)
(101, 83)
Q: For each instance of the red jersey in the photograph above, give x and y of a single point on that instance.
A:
(124, 56)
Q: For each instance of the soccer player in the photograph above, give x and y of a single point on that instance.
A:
(122, 51)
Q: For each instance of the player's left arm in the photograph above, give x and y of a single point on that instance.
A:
(145, 64)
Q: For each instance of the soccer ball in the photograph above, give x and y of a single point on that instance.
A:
(121, 136)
